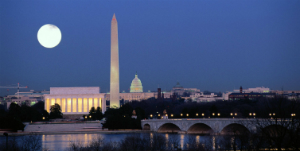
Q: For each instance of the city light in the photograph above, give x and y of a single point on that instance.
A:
(171, 115)
(187, 114)
(213, 114)
(202, 114)
(252, 114)
(158, 115)
(181, 114)
(196, 114)
(293, 114)
(231, 114)
(151, 115)
(219, 114)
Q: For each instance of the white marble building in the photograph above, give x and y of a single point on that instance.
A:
(75, 100)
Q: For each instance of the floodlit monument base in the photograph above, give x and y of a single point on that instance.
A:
(75, 100)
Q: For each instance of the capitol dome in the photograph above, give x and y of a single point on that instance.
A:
(136, 85)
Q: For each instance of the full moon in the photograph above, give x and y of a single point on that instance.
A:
(49, 36)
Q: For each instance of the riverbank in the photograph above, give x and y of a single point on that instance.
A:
(54, 128)
(75, 132)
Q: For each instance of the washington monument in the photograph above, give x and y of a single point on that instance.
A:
(114, 65)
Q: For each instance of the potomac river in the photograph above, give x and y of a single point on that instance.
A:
(60, 142)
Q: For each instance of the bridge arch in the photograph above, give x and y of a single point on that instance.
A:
(168, 128)
(146, 126)
(200, 128)
(234, 129)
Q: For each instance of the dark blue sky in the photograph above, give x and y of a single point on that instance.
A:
(215, 45)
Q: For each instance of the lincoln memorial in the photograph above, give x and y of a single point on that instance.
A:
(75, 100)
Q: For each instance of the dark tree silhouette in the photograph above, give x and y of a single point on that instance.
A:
(55, 111)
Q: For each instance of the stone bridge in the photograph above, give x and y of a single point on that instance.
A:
(200, 125)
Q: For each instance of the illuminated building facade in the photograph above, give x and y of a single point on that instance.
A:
(75, 100)
(114, 65)
(136, 85)
(201, 97)
(250, 96)
(253, 90)
(29, 98)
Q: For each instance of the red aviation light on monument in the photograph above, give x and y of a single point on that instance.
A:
(114, 17)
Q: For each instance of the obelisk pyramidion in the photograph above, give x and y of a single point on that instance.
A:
(114, 65)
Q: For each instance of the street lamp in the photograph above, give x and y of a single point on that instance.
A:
(219, 114)
(270, 114)
(172, 115)
(187, 114)
(151, 115)
(252, 114)
(231, 114)
(181, 114)
(196, 114)
(293, 114)
(203, 114)
(213, 114)
(158, 115)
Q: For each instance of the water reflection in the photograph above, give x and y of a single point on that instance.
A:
(214, 142)
(62, 142)
(181, 141)
(197, 139)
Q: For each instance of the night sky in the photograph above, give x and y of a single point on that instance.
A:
(214, 45)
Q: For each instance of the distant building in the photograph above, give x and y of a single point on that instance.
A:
(201, 97)
(281, 92)
(289, 94)
(250, 96)
(181, 91)
(292, 96)
(29, 98)
(254, 90)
